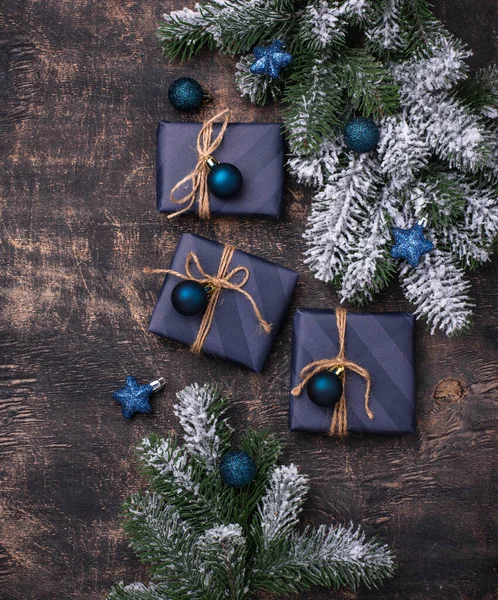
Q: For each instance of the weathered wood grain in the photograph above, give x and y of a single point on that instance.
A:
(85, 85)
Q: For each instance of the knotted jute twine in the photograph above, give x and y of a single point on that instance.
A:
(198, 177)
(223, 280)
(339, 423)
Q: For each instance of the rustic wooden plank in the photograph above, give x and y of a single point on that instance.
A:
(85, 87)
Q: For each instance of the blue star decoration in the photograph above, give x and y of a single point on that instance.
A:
(270, 60)
(134, 397)
(410, 244)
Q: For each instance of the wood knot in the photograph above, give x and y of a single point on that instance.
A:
(448, 391)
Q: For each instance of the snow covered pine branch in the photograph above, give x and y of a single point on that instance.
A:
(205, 540)
(438, 151)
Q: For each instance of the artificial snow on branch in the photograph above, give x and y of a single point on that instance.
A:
(436, 159)
(223, 542)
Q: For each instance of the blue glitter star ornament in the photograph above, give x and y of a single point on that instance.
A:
(134, 396)
(410, 244)
(270, 60)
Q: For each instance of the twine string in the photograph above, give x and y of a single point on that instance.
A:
(339, 423)
(205, 147)
(223, 280)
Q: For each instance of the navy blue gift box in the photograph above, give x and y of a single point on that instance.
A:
(257, 149)
(383, 344)
(235, 333)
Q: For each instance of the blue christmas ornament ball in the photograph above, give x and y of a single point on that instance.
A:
(361, 135)
(237, 469)
(189, 298)
(185, 94)
(224, 180)
(324, 388)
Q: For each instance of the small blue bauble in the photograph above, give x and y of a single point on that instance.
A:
(237, 469)
(185, 94)
(224, 180)
(325, 388)
(189, 298)
(361, 135)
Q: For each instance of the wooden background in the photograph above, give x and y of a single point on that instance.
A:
(83, 86)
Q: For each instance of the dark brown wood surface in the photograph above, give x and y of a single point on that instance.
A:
(83, 86)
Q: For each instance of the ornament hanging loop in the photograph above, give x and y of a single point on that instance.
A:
(157, 384)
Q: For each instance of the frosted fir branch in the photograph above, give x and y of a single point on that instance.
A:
(323, 24)
(439, 291)
(327, 556)
(340, 546)
(201, 424)
(160, 531)
(137, 591)
(440, 200)
(354, 9)
(313, 170)
(442, 66)
(468, 248)
(370, 267)
(313, 101)
(481, 216)
(280, 506)
(451, 131)
(335, 212)
(169, 461)
(402, 152)
(386, 34)
(223, 550)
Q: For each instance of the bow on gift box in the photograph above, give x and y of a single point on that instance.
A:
(223, 280)
(339, 423)
(198, 177)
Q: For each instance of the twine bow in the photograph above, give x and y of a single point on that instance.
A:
(205, 147)
(339, 423)
(223, 280)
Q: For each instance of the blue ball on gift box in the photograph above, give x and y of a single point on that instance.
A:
(189, 298)
(361, 135)
(237, 469)
(224, 180)
(324, 389)
(186, 94)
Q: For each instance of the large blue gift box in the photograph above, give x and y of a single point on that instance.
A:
(235, 333)
(256, 149)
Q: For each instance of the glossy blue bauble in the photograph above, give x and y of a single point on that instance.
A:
(189, 298)
(186, 94)
(324, 388)
(237, 469)
(361, 135)
(224, 180)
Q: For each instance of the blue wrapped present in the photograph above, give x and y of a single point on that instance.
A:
(382, 344)
(235, 332)
(256, 149)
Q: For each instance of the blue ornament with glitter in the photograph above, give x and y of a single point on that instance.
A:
(237, 469)
(361, 135)
(410, 244)
(186, 94)
(270, 60)
(134, 396)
